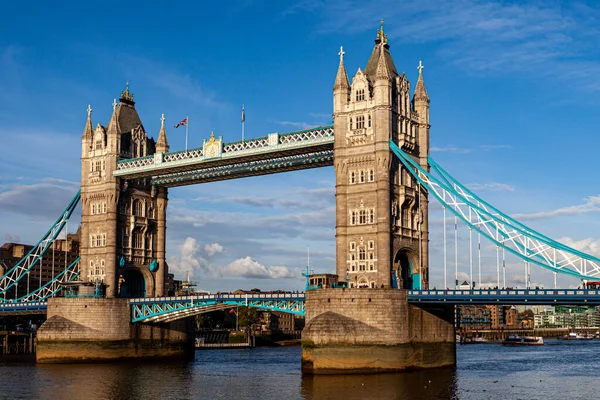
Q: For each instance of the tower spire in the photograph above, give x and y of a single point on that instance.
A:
(87, 131)
(420, 91)
(382, 72)
(341, 79)
(162, 144)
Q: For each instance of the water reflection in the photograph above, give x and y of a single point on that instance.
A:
(427, 384)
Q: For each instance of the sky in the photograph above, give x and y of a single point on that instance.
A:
(514, 89)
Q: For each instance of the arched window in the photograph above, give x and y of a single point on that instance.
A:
(138, 208)
(362, 176)
(371, 175)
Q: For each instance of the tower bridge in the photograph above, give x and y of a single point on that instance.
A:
(379, 147)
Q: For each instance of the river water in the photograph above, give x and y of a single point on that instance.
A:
(557, 370)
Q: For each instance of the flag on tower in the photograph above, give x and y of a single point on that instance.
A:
(183, 122)
(243, 114)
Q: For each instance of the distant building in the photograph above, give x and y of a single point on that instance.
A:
(474, 317)
(60, 255)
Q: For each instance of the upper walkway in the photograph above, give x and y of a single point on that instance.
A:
(216, 160)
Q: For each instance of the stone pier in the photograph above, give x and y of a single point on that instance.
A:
(372, 331)
(93, 330)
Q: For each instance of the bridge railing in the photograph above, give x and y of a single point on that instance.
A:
(507, 292)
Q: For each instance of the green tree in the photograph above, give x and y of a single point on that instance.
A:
(247, 316)
(199, 320)
(526, 313)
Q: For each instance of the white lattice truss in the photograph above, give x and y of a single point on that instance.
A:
(498, 227)
(54, 286)
(274, 142)
(16, 273)
(166, 309)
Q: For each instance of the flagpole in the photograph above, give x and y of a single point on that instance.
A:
(187, 118)
(243, 121)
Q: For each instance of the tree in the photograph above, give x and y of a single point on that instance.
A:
(247, 316)
(526, 313)
(199, 320)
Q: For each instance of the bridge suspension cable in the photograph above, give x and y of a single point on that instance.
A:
(16, 273)
(504, 231)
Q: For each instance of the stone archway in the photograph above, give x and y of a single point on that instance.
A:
(403, 271)
(136, 282)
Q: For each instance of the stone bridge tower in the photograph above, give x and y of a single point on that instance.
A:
(381, 220)
(123, 222)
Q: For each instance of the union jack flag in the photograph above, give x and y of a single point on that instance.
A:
(183, 122)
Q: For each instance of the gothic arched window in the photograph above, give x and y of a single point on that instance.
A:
(138, 208)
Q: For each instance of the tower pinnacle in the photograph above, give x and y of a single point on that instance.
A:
(341, 79)
(381, 36)
(420, 91)
(87, 131)
(126, 95)
(162, 144)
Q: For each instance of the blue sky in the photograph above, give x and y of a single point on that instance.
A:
(514, 88)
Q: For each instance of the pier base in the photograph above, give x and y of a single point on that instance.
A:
(92, 330)
(372, 331)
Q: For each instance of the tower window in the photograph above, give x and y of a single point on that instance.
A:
(362, 254)
(138, 208)
(371, 175)
(360, 122)
(362, 176)
(352, 177)
(360, 94)
(369, 124)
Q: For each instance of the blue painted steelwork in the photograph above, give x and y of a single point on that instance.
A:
(549, 297)
(257, 156)
(37, 307)
(246, 168)
(499, 228)
(53, 287)
(16, 273)
(166, 309)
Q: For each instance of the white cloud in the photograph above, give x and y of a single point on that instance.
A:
(189, 260)
(213, 248)
(589, 245)
(591, 205)
(248, 268)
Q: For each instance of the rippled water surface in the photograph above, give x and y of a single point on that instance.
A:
(558, 370)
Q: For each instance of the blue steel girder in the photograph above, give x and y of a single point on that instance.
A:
(36, 307)
(167, 309)
(272, 147)
(500, 229)
(247, 168)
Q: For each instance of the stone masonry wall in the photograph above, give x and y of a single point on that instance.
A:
(374, 330)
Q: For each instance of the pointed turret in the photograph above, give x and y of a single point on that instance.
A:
(420, 91)
(88, 130)
(383, 71)
(341, 79)
(341, 88)
(421, 106)
(162, 144)
(381, 50)
(88, 134)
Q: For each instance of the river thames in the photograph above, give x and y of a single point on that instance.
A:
(557, 370)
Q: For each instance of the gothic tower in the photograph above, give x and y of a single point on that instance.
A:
(123, 222)
(381, 217)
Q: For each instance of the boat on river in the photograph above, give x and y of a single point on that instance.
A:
(516, 340)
